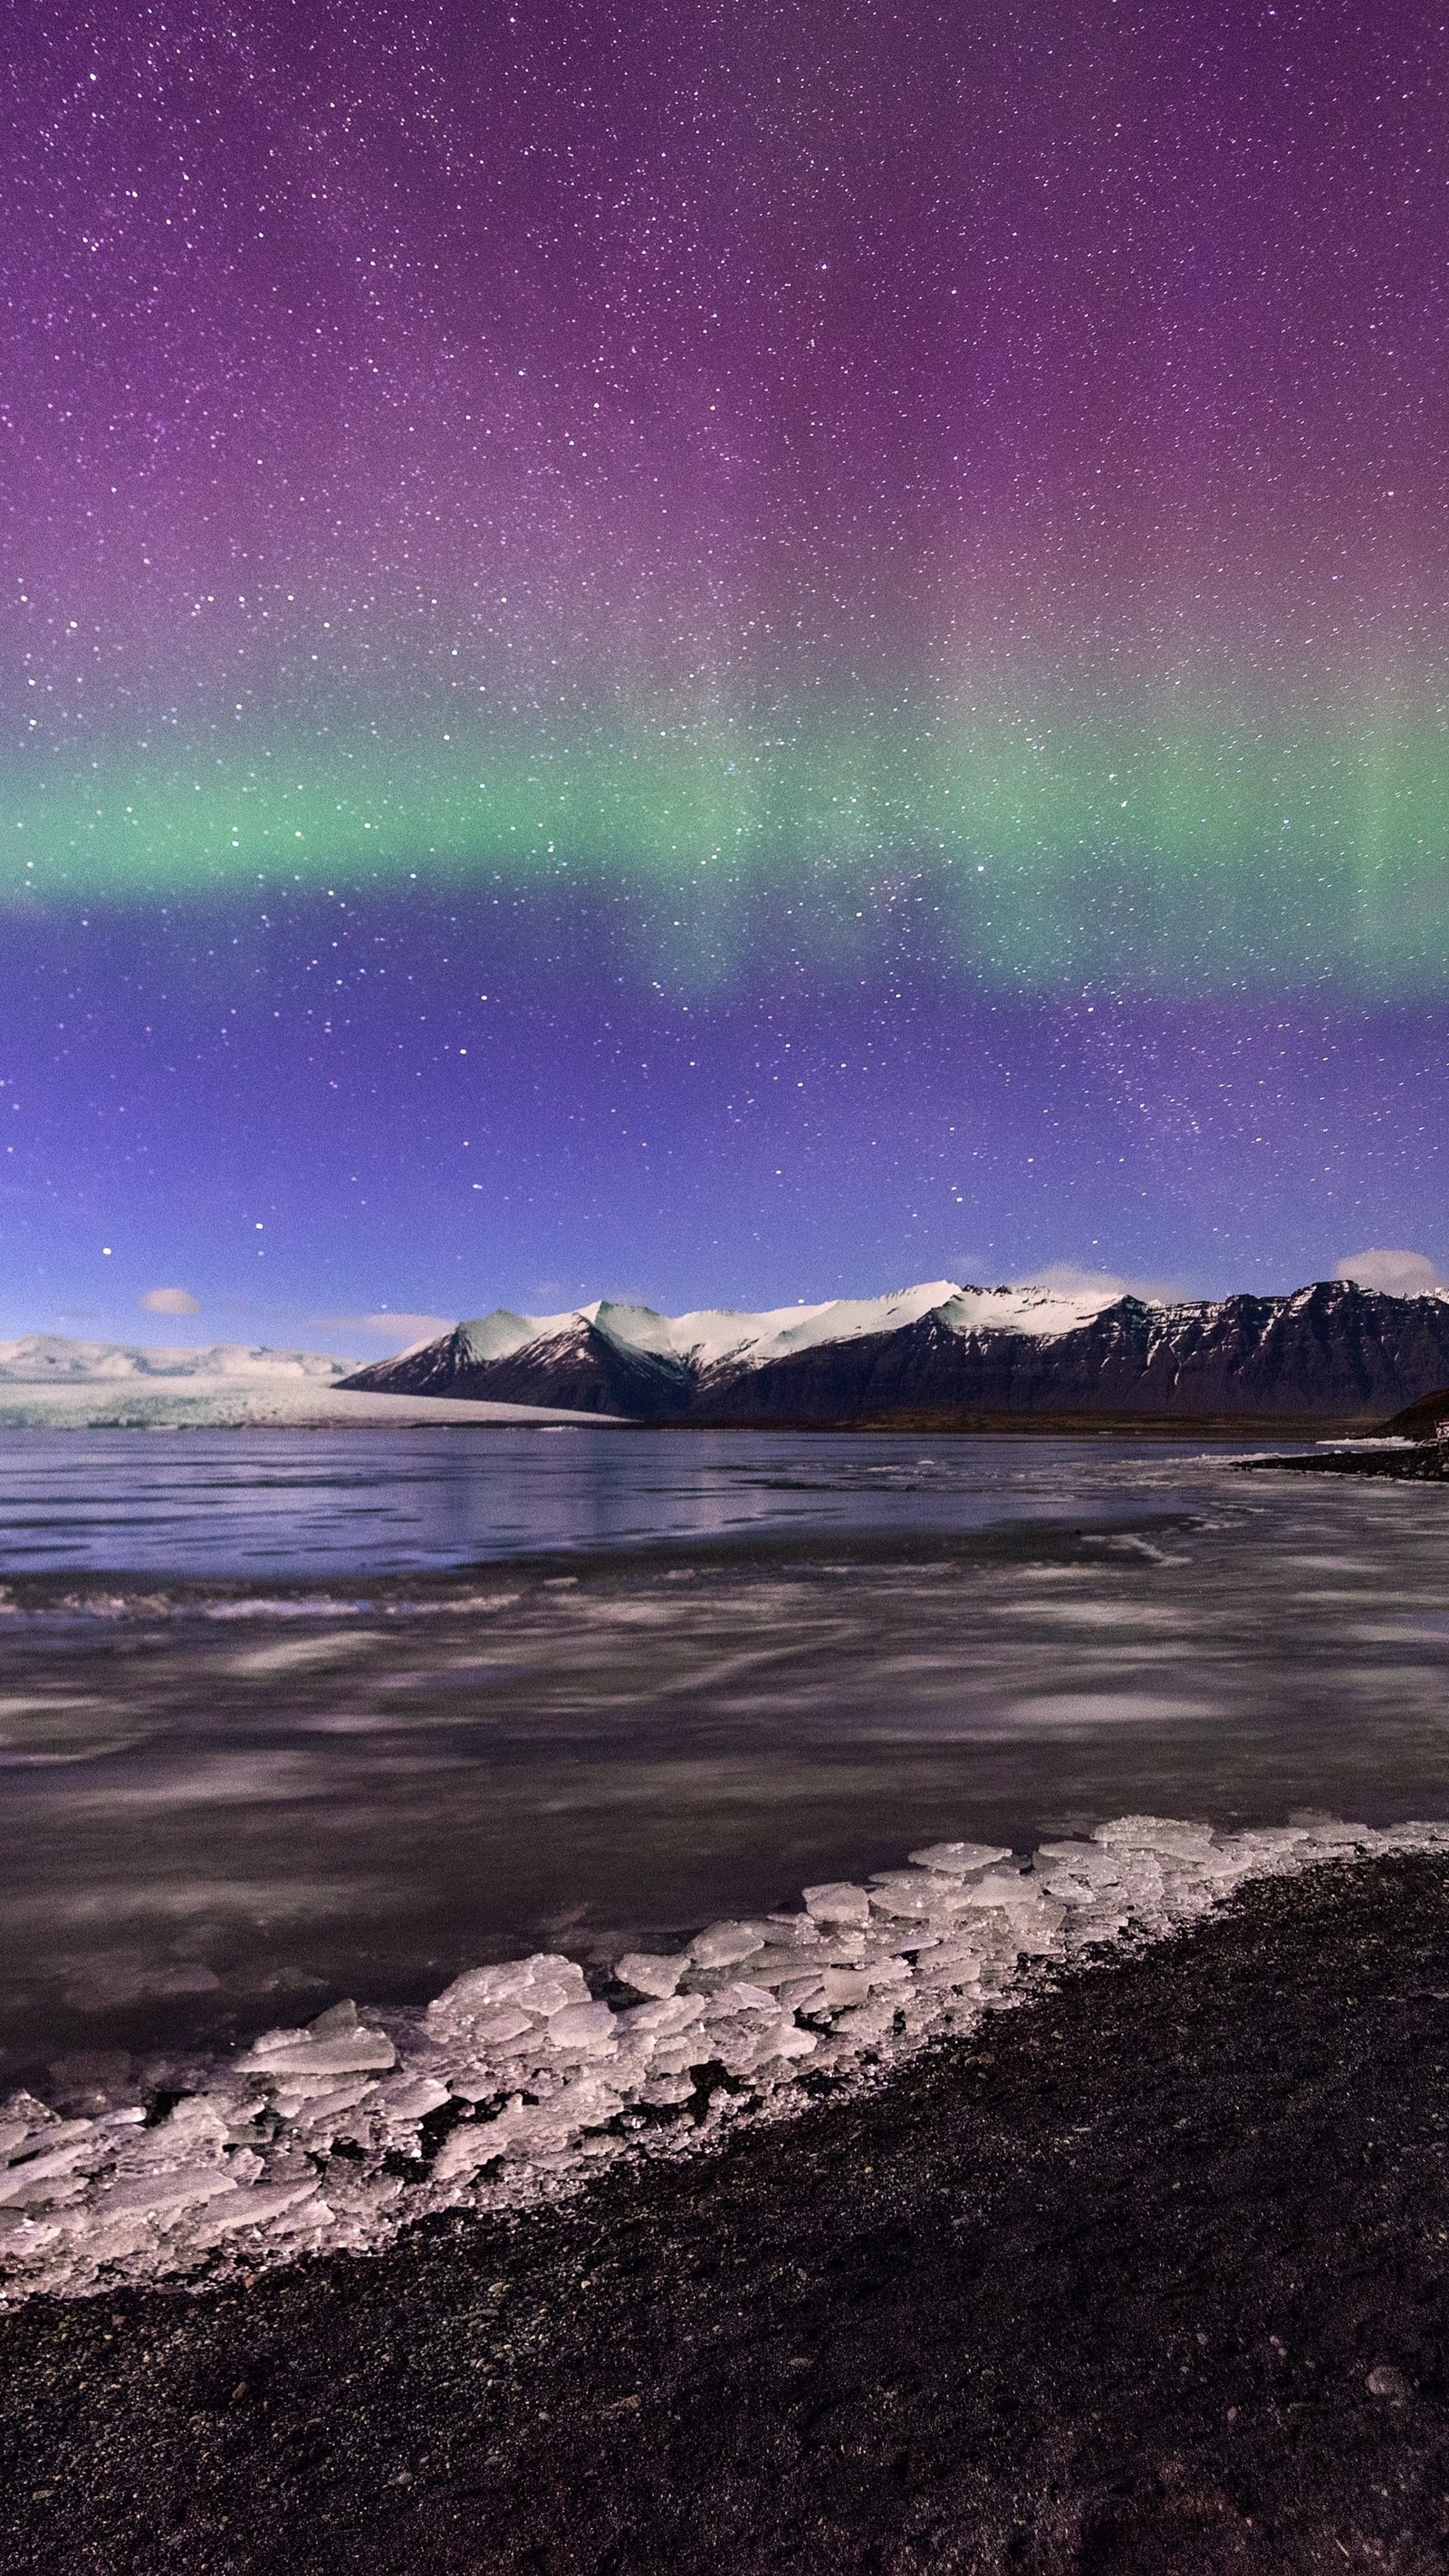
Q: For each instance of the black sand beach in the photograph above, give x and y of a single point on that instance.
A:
(1150, 2277)
(1427, 1463)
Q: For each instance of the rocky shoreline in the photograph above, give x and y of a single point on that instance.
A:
(520, 2081)
(1408, 1462)
(1149, 2274)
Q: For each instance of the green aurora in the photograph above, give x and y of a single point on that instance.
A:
(1209, 859)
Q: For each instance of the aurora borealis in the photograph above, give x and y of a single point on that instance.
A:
(717, 653)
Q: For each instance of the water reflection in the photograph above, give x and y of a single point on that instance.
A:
(357, 1501)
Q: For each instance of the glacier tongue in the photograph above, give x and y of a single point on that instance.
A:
(41, 1359)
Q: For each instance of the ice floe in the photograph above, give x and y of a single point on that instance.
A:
(519, 2081)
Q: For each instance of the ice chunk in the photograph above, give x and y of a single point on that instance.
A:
(19, 2114)
(838, 1902)
(586, 2028)
(788, 2045)
(163, 2191)
(543, 1983)
(478, 1990)
(27, 2138)
(474, 2083)
(667, 2092)
(741, 2041)
(1035, 1932)
(197, 2126)
(842, 1988)
(999, 1889)
(40, 2178)
(959, 1860)
(952, 1960)
(868, 2022)
(1327, 1835)
(774, 1967)
(738, 1997)
(336, 2043)
(670, 2055)
(1154, 1833)
(558, 1993)
(496, 2024)
(723, 1943)
(255, 2207)
(886, 1972)
(316, 2097)
(296, 2052)
(412, 2097)
(649, 1973)
(802, 1994)
(665, 2015)
(915, 1894)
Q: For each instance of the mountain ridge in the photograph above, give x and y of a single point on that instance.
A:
(1330, 1350)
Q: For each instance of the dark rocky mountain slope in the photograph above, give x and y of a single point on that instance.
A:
(1334, 1351)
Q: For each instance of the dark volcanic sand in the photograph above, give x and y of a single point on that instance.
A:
(1428, 1464)
(1110, 2291)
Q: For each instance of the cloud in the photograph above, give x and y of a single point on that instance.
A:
(170, 1301)
(1069, 1279)
(399, 1330)
(1397, 1274)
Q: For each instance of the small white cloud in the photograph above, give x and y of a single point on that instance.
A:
(170, 1301)
(1397, 1274)
(1070, 1279)
(398, 1330)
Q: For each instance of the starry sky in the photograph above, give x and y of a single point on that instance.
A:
(716, 653)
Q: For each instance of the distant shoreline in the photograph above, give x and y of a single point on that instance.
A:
(1422, 1462)
(461, 1413)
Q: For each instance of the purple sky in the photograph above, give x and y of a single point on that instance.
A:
(716, 654)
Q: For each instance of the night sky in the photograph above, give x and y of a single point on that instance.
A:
(716, 653)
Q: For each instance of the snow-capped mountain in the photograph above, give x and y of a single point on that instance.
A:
(1332, 1351)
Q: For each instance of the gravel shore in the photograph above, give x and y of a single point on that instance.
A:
(1148, 2276)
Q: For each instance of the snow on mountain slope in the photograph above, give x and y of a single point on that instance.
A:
(1044, 1313)
(497, 1335)
(1063, 1347)
(845, 1319)
(716, 1336)
(701, 1338)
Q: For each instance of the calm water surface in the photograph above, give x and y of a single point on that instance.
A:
(287, 1716)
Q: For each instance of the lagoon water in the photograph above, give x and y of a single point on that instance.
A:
(285, 1717)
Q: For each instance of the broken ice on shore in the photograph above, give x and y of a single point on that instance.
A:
(518, 2083)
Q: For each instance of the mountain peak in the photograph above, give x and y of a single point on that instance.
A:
(954, 1352)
